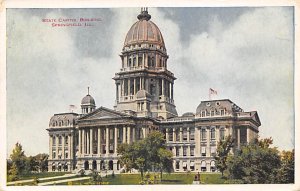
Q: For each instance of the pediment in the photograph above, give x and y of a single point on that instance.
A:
(102, 113)
(256, 118)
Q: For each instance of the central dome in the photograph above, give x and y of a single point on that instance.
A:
(144, 31)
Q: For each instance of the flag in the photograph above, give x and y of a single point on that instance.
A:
(72, 108)
(212, 91)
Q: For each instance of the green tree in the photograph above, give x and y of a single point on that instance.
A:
(165, 161)
(255, 163)
(223, 150)
(144, 154)
(42, 160)
(31, 164)
(18, 157)
(13, 173)
(287, 171)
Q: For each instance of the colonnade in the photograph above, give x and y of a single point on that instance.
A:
(104, 140)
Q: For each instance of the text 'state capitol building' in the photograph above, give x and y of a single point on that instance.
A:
(145, 102)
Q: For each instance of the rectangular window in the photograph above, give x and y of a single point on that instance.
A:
(66, 155)
(54, 140)
(203, 134)
(177, 151)
(203, 151)
(66, 140)
(171, 136)
(222, 134)
(192, 151)
(184, 151)
(203, 114)
(212, 113)
(192, 134)
(222, 112)
(185, 134)
(177, 135)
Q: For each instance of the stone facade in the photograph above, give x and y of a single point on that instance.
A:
(144, 103)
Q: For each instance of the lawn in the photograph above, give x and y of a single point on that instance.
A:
(174, 178)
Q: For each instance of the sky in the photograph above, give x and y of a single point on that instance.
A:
(245, 54)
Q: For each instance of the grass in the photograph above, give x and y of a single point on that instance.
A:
(174, 178)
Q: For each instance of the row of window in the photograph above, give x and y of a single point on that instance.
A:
(184, 135)
(60, 140)
(137, 61)
(185, 151)
(192, 166)
(59, 155)
(144, 46)
(212, 113)
(212, 134)
(61, 123)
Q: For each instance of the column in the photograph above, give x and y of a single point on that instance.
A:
(88, 142)
(133, 134)
(134, 84)
(70, 146)
(56, 146)
(180, 166)
(163, 86)
(180, 135)
(116, 140)
(248, 135)
(124, 134)
(208, 142)
(83, 141)
(107, 141)
(128, 135)
(174, 136)
(217, 134)
(181, 151)
(144, 132)
(188, 134)
(167, 135)
(140, 83)
(129, 93)
(99, 142)
(91, 141)
(238, 137)
(172, 91)
(50, 147)
(79, 142)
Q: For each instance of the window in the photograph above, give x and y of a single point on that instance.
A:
(212, 133)
(170, 135)
(54, 155)
(185, 134)
(203, 151)
(212, 113)
(177, 135)
(203, 166)
(66, 139)
(184, 151)
(53, 140)
(192, 134)
(222, 112)
(213, 150)
(203, 134)
(134, 61)
(129, 62)
(203, 114)
(177, 151)
(192, 151)
(177, 164)
(222, 134)
(66, 155)
(59, 140)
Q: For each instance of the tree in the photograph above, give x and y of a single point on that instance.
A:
(287, 171)
(31, 164)
(223, 150)
(13, 173)
(144, 154)
(18, 157)
(255, 163)
(165, 161)
(42, 160)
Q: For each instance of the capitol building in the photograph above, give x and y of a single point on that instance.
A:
(145, 102)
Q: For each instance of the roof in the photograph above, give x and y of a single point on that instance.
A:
(143, 31)
(88, 100)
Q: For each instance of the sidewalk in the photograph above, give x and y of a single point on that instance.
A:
(62, 181)
(46, 178)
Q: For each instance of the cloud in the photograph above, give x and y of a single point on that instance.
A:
(248, 60)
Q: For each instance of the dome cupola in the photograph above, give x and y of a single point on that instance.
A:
(88, 103)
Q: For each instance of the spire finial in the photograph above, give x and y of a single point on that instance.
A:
(144, 14)
(88, 90)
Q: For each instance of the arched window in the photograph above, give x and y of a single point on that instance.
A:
(53, 140)
(59, 140)
(212, 133)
